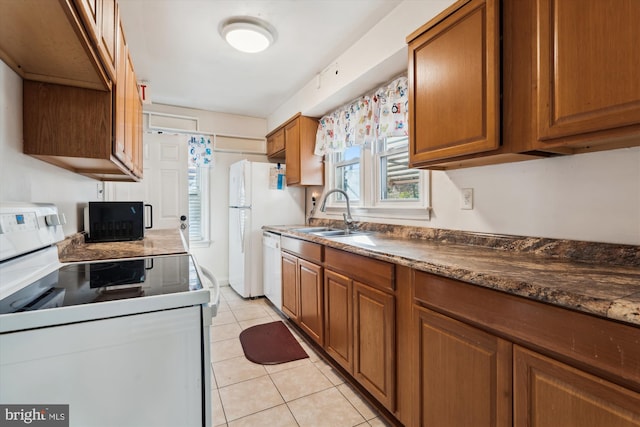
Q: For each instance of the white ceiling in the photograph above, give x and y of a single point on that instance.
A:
(176, 48)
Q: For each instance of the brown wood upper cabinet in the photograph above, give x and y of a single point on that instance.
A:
(454, 83)
(100, 18)
(275, 145)
(127, 137)
(588, 80)
(93, 131)
(46, 41)
(567, 81)
(295, 141)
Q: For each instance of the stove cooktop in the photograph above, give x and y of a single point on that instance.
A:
(102, 281)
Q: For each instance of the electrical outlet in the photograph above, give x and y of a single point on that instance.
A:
(100, 191)
(466, 201)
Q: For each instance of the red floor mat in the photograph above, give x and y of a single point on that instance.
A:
(270, 344)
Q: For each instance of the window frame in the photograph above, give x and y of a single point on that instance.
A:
(337, 198)
(377, 200)
(370, 203)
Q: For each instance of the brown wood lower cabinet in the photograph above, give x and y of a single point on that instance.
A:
(548, 393)
(302, 286)
(290, 286)
(462, 374)
(374, 349)
(311, 304)
(585, 371)
(360, 324)
(338, 316)
(438, 352)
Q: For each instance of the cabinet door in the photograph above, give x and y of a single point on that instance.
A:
(133, 111)
(589, 66)
(454, 72)
(290, 285)
(90, 11)
(128, 110)
(463, 375)
(292, 141)
(338, 307)
(137, 143)
(374, 342)
(548, 393)
(101, 21)
(108, 43)
(276, 145)
(311, 304)
(120, 99)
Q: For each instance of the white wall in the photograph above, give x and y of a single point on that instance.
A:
(592, 197)
(26, 179)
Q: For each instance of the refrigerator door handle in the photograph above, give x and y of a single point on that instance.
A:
(242, 248)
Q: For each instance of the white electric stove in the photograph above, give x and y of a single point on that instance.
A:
(134, 332)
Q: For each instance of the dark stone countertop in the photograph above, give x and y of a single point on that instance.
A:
(597, 278)
(155, 242)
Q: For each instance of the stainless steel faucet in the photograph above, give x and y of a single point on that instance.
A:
(348, 221)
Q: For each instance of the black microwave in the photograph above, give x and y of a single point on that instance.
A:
(116, 221)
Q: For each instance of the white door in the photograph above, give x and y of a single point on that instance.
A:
(165, 181)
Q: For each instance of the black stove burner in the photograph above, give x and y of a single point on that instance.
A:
(94, 282)
(116, 273)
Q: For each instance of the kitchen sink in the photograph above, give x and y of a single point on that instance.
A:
(341, 233)
(331, 232)
(315, 229)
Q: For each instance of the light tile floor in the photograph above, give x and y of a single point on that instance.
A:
(307, 392)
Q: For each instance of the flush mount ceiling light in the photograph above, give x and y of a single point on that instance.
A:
(247, 34)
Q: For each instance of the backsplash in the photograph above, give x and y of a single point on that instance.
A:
(581, 251)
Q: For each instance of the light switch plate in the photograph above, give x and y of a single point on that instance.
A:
(466, 201)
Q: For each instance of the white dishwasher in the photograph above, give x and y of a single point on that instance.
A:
(272, 268)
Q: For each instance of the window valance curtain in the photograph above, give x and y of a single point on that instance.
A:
(200, 151)
(383, 113)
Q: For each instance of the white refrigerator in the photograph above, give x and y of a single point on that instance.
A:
(255, 201)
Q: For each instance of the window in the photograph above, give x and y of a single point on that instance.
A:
(396, 181)
(366, 145)
(347, 173)
(378, 179)
(198, 201)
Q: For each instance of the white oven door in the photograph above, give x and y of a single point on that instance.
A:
(138, 370)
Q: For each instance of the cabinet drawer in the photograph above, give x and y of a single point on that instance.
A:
(371, 271)
(306, 250)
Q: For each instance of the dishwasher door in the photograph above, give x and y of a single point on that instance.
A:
(272, 268)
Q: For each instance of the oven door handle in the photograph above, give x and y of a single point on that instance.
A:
(214, 289)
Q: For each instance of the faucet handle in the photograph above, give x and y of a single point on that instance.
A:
(348, 221)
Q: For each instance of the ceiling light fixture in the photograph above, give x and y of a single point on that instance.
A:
(247, 34)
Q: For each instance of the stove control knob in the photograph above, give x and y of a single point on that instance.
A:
(52, 220)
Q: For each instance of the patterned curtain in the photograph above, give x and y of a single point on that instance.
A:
(200, 151)
(383, 113)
